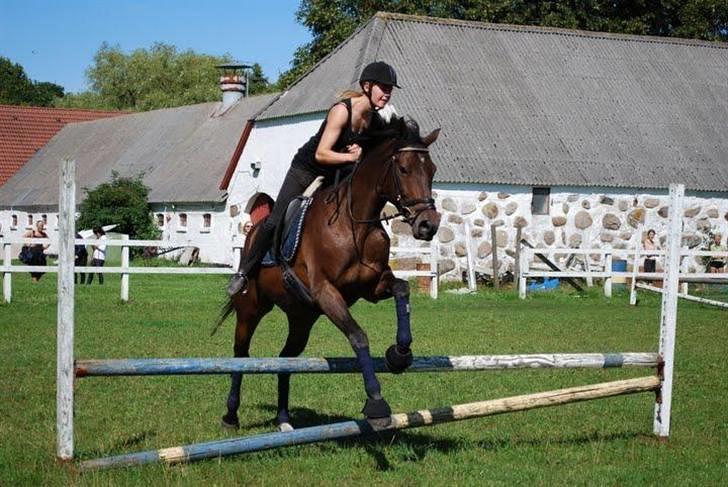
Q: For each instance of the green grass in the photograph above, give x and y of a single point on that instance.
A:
(606, 442)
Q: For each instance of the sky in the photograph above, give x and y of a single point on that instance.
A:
(55, 40)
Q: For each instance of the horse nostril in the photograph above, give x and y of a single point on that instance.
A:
(425, 228)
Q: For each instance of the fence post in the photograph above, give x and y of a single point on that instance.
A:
(635, 269)
(434, 281)
(7, 275)
(668, 320)
(494, 255)
(523, 269)
(587, 268)
(517, 257)
(471, 260)
(608, 275)
(64, 344)
(124, 267)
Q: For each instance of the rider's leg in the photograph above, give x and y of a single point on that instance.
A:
(296, 181)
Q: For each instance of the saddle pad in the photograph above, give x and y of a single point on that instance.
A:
(293, 230)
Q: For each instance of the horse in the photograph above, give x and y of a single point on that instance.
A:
(342, 257)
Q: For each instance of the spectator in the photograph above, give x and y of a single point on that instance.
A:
(716, 264)
(649, 244)
(99, 254)
(81, 259)
(37, 251)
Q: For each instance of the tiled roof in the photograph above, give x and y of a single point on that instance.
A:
(182, 152)
(531, 105)
(24, 130)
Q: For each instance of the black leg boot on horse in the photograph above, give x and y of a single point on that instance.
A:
(399, 356)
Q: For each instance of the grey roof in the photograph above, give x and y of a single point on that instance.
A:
(183, 153)
(540, 106)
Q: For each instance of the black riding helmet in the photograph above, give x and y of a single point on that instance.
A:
(379, 72)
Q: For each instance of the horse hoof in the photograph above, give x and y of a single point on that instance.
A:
(285, 427)
(376, 409)
(396, 360)
(230, 423)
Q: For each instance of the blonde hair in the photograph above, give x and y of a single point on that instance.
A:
(349, 94)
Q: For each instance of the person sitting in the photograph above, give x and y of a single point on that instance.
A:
(716, 264)
(338, 143)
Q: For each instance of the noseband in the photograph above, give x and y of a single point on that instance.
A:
(409, 209)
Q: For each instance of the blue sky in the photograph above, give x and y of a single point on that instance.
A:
(56, 40)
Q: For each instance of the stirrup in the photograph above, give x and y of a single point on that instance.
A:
(238, 283)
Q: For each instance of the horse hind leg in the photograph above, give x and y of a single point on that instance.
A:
(249, 313)
(299, 330)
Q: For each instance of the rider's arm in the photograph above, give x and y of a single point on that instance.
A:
(335, 122)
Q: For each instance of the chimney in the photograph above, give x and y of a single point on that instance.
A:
(233, 83)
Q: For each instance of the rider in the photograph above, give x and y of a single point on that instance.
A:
(338, 143)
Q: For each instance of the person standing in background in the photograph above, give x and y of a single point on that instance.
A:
(37, 251)
(98, 258)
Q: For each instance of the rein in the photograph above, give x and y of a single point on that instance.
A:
(405, 207)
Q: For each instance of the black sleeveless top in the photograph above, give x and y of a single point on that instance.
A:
(305, 158)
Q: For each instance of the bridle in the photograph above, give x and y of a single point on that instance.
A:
(407, 208)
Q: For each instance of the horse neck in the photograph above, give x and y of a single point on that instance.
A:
(366, 201)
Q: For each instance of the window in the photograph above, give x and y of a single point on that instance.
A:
(540, 201)
(206, 222)
(160, 220)
(45, 219)
(182, 227)
(30, 221)
(14, 221)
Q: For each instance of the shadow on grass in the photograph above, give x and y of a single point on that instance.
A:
(420, 444)
(124, 445)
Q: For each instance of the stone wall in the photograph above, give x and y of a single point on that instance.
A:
(576, 219)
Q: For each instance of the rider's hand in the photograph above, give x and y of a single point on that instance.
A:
(354, 151)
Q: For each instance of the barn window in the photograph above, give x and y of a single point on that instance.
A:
(14, 221)
(206, 222)
(160, 220)
(30, 221)
(45, 219)
(182, 227)
(540, 201)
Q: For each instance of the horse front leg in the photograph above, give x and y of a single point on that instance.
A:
(399, 356)
(332, 303)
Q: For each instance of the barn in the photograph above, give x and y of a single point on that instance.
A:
(571, 136)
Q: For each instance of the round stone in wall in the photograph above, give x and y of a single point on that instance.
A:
(565, 208)
(625, 235)
(476, 233)
(402, 228)
(490, 210)
(453, 218)
(445, 234)
(610, 221)
(511, 208)
(582, 220)
(606, 237)
(726, 215)
(572, 198)
(482, 196)
(497, 223)
(691, 240)
(445, 265)
(691, 212)
(449, 205)
(623, 205)
(503, 196)
(703, 225)
(558, 221)
(664, 211)
(574, 240)
(651, 202)
(585, 204)
(548, 237)
(712, 213)
(479, 222)
(467, 207)
(636, 217)
(501, 238)
(606, 200)
(460, 250)
(520, 222)
(484, 250)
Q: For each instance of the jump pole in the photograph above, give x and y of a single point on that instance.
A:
(191, 366)
(687, 297)
(362, 427)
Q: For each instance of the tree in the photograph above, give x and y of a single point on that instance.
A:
(259, 83)
(332, 21)
(122, 201)
(17, 89)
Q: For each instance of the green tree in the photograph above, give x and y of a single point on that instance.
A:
(259, 83)
(17, 89)
(332, 21)
(122, 201)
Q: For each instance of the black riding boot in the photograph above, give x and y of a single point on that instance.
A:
(251, 261)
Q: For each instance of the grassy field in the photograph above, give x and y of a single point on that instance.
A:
(606, 442)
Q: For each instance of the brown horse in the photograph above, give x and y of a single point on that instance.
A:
(343, 256)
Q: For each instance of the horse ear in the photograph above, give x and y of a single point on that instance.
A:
(431, 137)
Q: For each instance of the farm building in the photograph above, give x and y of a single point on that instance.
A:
(182, 152)
(572, 136)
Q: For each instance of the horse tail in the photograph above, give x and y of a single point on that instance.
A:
(225, 311)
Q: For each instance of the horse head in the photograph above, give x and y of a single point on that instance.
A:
(408, 184)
